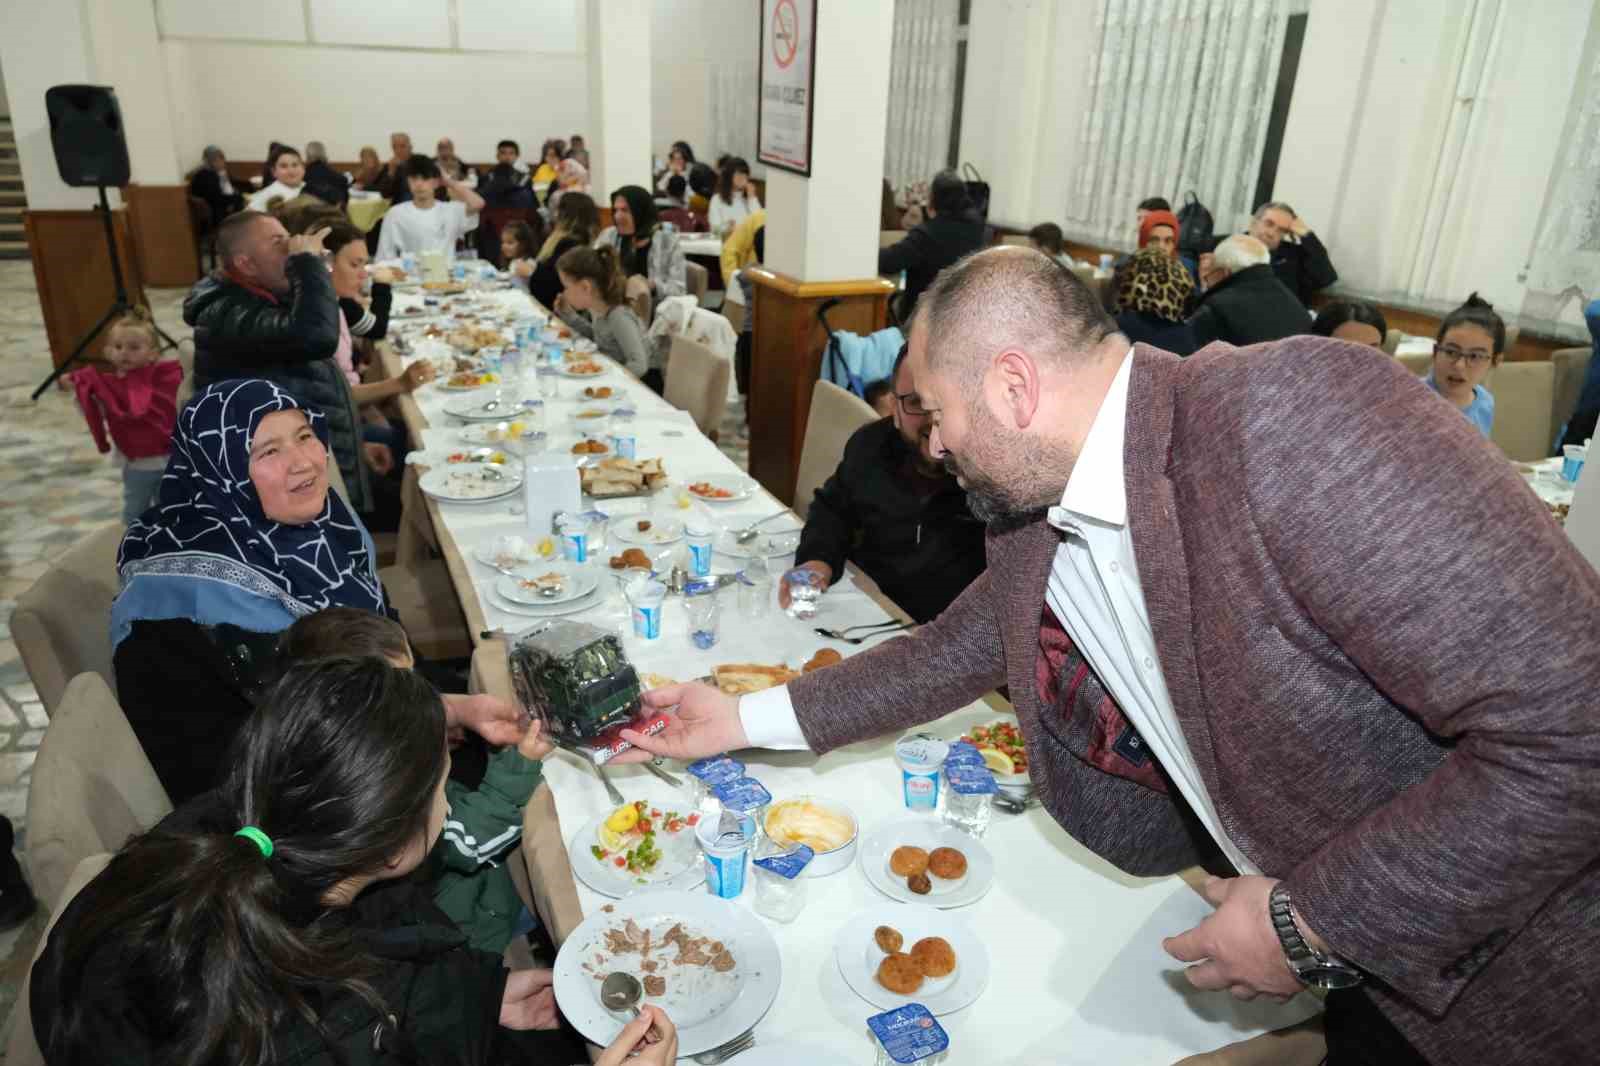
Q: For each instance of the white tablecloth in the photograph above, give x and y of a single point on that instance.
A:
(1077, 975)
(701, 245)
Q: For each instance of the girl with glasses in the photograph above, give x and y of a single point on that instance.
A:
(1471, 342)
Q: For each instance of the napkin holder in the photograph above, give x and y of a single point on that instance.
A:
(550, 487)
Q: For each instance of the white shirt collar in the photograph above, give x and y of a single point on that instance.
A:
(1096, 489)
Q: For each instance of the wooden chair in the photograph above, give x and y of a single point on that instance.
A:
(93, 786)
(62, 625)
(1392, 339)
(889, 237)
(697, 382)
(1524, 403)
(835, 416)
(205, 231)
(23, 1047)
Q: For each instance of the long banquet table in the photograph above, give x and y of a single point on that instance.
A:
(1077, 972)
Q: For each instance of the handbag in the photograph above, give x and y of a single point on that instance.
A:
(977, 192)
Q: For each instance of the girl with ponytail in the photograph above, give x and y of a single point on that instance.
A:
(593, 301)
(274, 921)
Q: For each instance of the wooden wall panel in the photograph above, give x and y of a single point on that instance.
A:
(73, 272)
(787, 343)
(163, 233)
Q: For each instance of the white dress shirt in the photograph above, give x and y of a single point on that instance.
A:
(1094, 591)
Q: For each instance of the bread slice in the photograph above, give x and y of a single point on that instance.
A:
(739, 679)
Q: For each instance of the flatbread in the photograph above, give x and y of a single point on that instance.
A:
(741, 679)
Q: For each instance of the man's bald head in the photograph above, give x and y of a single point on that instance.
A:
(1009, 297)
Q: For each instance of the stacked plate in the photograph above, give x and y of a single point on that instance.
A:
(484, 405)
(471, 482)
(546, 590)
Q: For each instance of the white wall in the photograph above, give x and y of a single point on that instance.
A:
(619, 95)
(1026, 90)
(689, 38)
(42, 45)
(242, 96)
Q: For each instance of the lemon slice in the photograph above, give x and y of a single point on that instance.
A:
(547, 547)
(610, 839)
(623, 818)
(998, 761)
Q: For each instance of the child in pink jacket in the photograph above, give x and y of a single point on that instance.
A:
(134, 401)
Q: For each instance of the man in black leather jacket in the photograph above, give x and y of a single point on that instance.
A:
(895, 512)
(270, 312)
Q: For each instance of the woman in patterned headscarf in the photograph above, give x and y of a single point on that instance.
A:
(244, 538)
(1152, 291)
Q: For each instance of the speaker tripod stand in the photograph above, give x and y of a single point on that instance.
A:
(120, 306)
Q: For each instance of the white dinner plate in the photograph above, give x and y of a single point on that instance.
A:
(709, 1008)
(527, 555)
(556, 610)
(499, 455)
(495, 434)
(445, 384)
(768, 545)
(680, 867)
(470, 483)
(858, 955)
(577, 580)
(625, 529)
(473, 406)
(566, 371)
(927, 834)
(737, 486)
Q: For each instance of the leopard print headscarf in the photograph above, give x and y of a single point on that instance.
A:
(1154, 282)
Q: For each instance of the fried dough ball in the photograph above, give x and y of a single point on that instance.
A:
(934, 956)
(907, 861)
(919, 884)
(947, 863)
(889, 940)
(824, 657)
(900, 974)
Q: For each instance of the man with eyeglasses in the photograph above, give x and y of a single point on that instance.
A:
(893, 510)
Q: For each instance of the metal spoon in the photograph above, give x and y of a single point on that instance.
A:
(621, 992)
(748, 533)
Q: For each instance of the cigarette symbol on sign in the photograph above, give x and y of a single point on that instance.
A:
(785, 33)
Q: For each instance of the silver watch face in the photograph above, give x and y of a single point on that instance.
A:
(1330, 978)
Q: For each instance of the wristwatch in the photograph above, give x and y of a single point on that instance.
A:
(1309, 965)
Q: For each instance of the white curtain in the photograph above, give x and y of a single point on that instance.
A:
(1564, 264)
(1180, 94)
(733, 99)
(922, 90)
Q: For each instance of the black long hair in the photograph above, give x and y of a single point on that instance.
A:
(1337, 313)
(734, 165)
(642, 206)
(218, 945)
(1476, 312)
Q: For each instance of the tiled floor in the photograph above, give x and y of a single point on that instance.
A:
(54, 486)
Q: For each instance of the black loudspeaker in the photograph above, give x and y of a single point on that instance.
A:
(86, 133)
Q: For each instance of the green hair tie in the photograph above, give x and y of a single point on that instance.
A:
(258, 838)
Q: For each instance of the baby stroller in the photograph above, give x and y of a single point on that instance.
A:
(852, 361)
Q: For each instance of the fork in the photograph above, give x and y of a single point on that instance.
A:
(736, 1046)
(879, 628)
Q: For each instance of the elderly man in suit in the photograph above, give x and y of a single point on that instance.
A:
(1278, 601)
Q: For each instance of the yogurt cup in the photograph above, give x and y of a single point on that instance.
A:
(921, 758)
(725, 841)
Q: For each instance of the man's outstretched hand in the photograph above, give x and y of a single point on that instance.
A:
(707, 723)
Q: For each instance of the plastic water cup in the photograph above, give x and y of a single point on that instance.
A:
(725, 841)
(574, 532)
(408, 263)
(755, 587)
(705, 618)
(549, 385)
(645, 597)
(805, 589)
(1572, 457)
(624, 441)
(921, 759)
(699, 539)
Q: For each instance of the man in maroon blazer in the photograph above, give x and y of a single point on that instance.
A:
(1277, 602)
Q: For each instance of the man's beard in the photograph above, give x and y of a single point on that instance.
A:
(1004, 507)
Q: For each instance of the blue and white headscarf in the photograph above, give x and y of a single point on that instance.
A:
(208, 552)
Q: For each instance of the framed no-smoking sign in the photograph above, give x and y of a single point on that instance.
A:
(788, 76)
